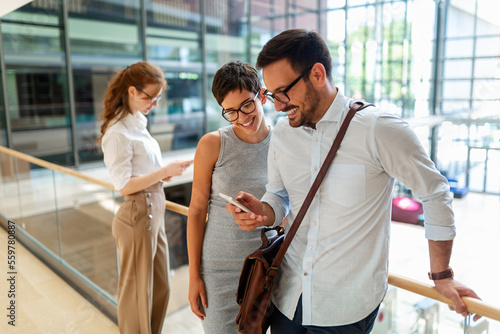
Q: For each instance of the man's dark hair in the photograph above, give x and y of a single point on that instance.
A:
(235, 75)
(302, 48)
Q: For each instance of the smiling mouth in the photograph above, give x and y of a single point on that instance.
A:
(291, 111)
(248, 123)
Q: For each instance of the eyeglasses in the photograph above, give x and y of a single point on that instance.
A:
(246, 107)
(281, 95)
(152, 99)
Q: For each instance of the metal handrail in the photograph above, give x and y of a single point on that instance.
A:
(474, 306)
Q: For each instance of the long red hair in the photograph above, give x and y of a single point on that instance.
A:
(116, 98)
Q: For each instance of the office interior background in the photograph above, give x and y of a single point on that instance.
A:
(435, 63)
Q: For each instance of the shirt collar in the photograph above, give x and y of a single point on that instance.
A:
(336, 109)
(135, 120)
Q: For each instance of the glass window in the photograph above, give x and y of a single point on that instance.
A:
(90, 85)
(454, 48)
(457, 89)
(457, 69)
(173, 30)
(179, 121)
(486, 109)
(36, 81)
(3, 121)
(120, 20)
(303, 14)
(487, 46)
(459, 21)
(95, 56)
(173, 41)
(227, 39)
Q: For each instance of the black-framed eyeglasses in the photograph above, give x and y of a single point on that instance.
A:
(246, 107)
(281, 95)
(151, 99)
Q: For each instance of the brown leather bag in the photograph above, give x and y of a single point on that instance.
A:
(256, 284)
(260, 268)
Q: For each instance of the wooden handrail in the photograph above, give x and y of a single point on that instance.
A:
(55, 167)
(473, 305)
(36, 161)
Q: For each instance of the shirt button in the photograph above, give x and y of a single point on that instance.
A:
(316, 140)
(315, 196)
(148, 194)
(310, 248)
(306, 274)
(314, 223)
(150, 216)
(149, 228)
(315, 168)
(150, 204)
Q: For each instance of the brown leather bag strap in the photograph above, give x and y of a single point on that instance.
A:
(314, 188)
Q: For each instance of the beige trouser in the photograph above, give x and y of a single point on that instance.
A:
(143, 285)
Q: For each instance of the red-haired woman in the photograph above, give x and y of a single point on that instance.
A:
(133, 159)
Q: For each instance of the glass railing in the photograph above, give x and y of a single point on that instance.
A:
(65, 218)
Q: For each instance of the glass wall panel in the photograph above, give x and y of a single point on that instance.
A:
(227, 39)
(457, 89)
(119, 19)
(95, 56)
(84, 220)
(452, 148)
(486, 90)
(486, 68)
(182, 113)
(460, 18)
(336, 35)
(492, 168)
(458, 48)
(486, 109)
(303, 14)
(36, 81)
(3, 121)
(174, 41)
(457, 69)
(334, 4)
(422, 16)
(376, 46)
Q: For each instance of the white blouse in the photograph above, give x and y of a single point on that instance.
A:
(130, 150)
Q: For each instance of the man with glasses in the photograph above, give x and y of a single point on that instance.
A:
(334, 274)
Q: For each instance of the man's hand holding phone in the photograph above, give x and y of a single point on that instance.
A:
(248, 212)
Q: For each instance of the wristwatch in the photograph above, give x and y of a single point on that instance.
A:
(448, 273)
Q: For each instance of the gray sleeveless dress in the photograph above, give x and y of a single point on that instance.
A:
(241, 167)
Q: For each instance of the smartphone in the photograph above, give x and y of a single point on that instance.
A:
(234, 202)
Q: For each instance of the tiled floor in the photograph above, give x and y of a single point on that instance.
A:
(44, 303)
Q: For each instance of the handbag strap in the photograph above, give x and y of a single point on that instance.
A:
(358, 105)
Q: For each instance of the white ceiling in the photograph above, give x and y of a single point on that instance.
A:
(7, 6)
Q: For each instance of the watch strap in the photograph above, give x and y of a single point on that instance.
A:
(448, 273)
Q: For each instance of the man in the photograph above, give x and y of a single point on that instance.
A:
(335, 272)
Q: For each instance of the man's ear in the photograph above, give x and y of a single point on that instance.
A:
(263, 97)
(318, 75)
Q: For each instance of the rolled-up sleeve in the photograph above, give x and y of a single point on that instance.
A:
(118, 155)
(403, 157)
